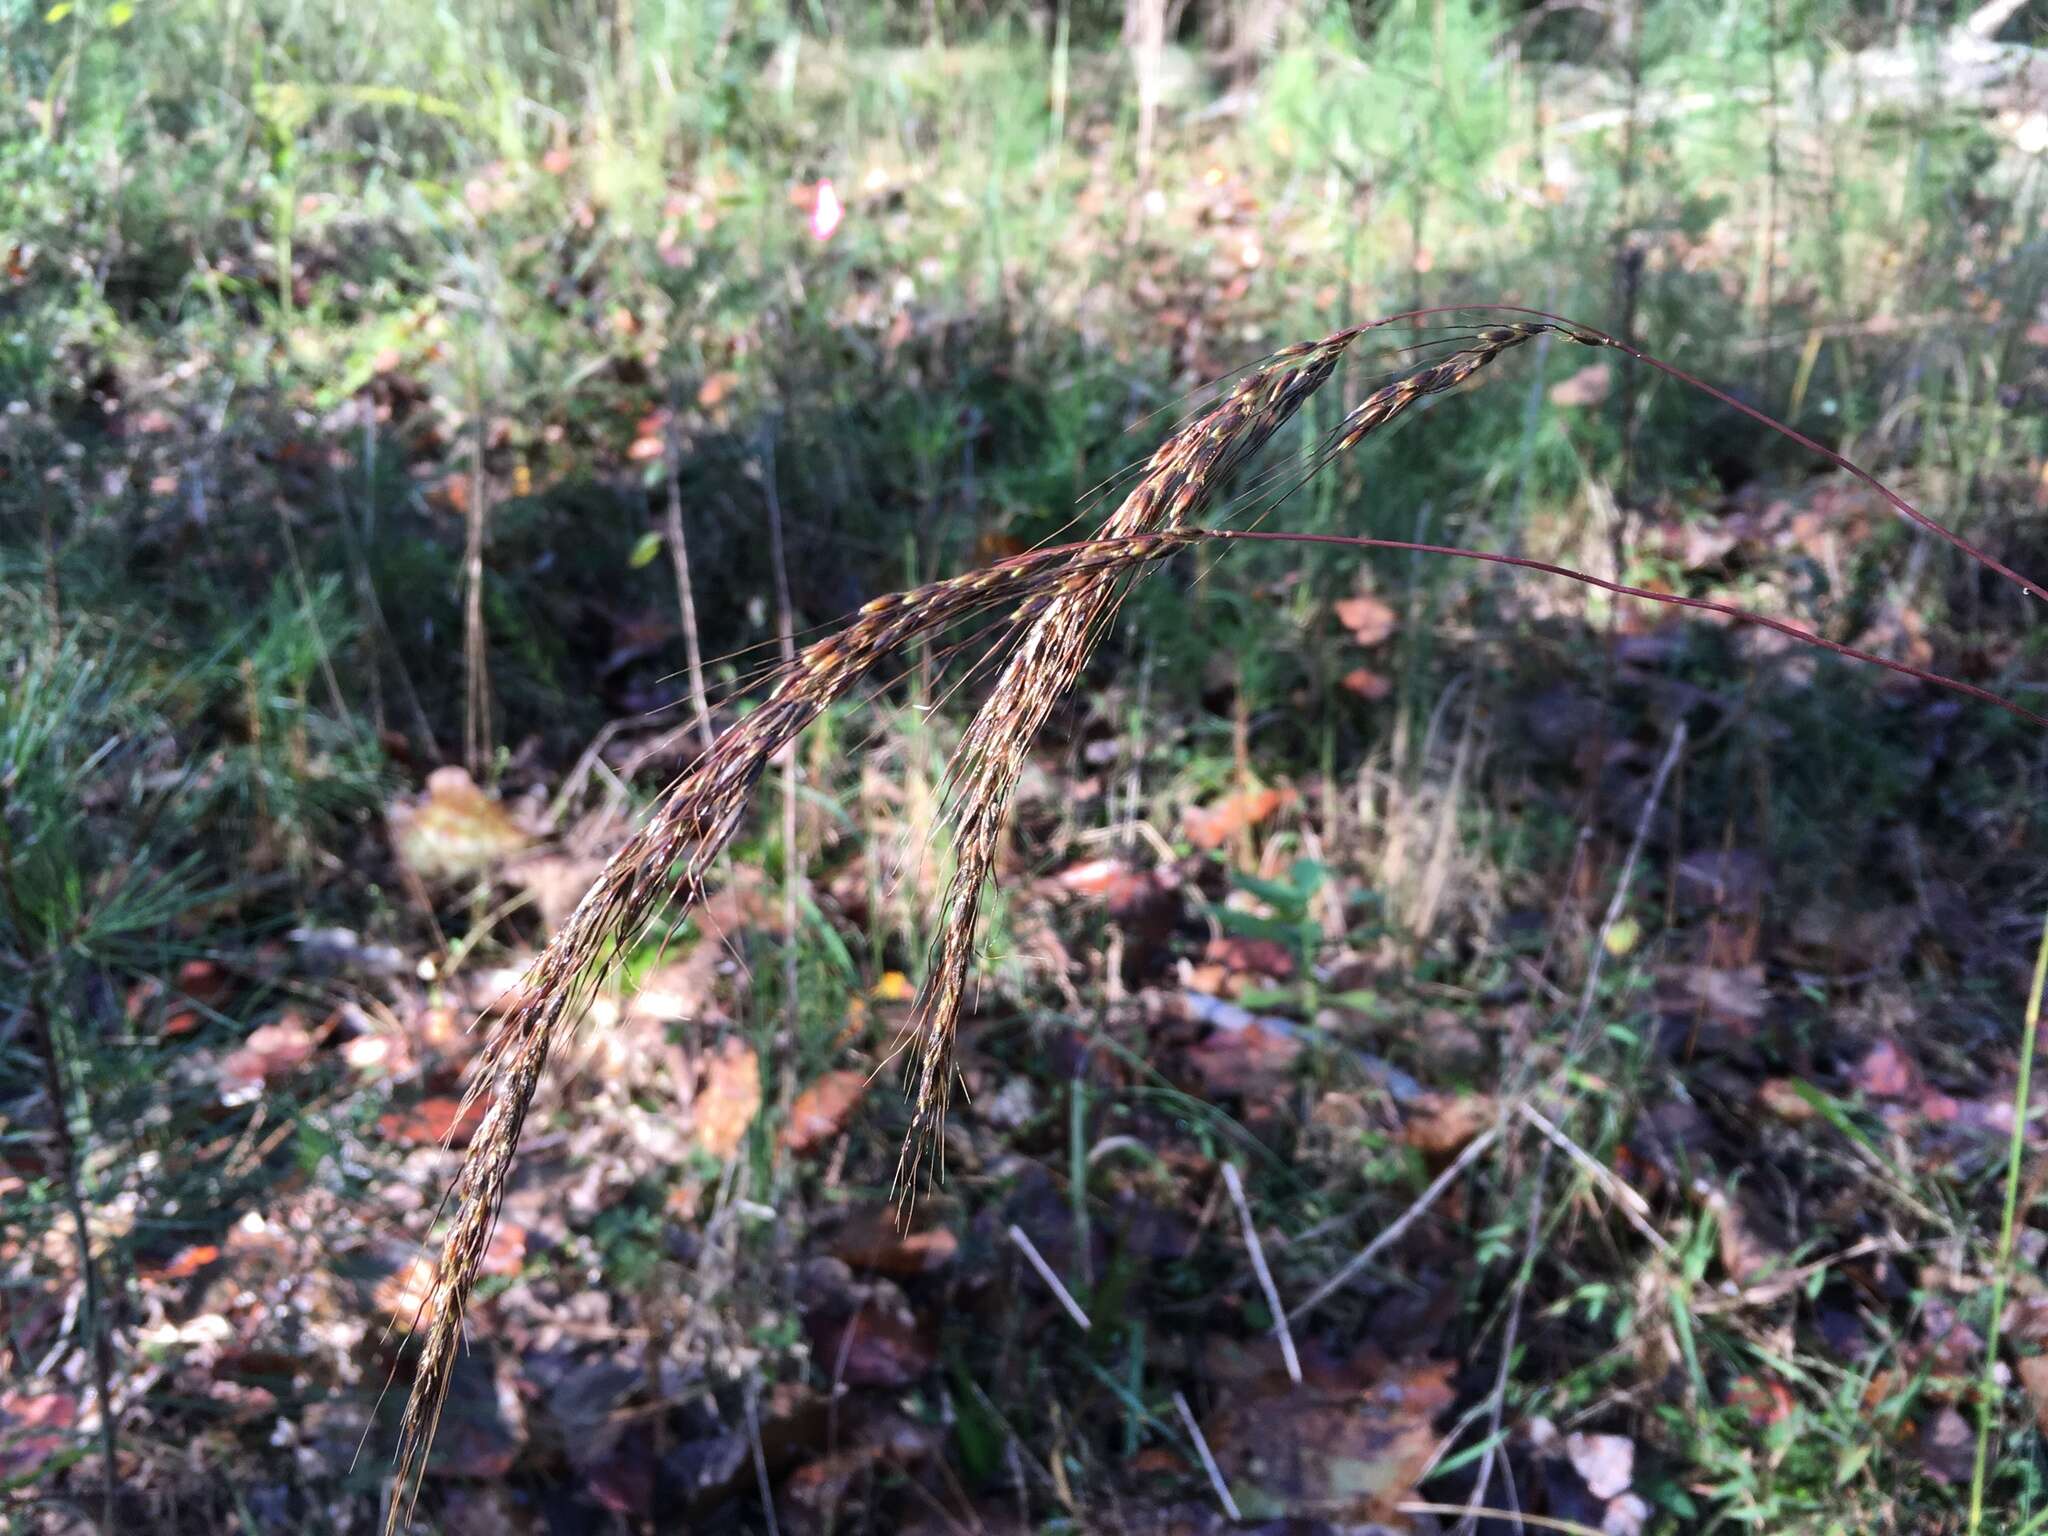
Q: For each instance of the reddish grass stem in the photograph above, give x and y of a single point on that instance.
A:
(1622, 589)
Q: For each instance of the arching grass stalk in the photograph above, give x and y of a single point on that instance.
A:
(1060, 600)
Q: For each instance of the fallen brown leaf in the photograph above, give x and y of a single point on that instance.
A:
(822, 1110)
(1263, 957)
(454, 831)
(880, 1343)
(432, 1121)
(1252, 1062)
(1441, 1125)
(1946, 1446)
(2033, 1373)
(1887, 1072)
(34, 1426)
(1367, 684)
(1369, 620)
(728, 1100)
(1331, 1449)
(270, 1052)
(871, 1240)
(402, 1296)
(1210, 827)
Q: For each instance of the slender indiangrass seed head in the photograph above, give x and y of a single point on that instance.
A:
(1058, 602)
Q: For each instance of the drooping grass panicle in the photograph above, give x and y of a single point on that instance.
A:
(671, 858)
(1059, 599)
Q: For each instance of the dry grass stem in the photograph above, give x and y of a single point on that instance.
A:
(1235, 1184)
(1392, 1233)
(1187, 1419)
(1065, 1297)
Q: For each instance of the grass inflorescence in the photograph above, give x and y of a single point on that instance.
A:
(1059, 600)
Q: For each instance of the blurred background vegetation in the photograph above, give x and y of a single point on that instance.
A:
(393, 388)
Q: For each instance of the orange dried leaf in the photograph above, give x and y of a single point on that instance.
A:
(822, 1110)
(1369, 620)
(272, 1051)
(728, 1100)
(187, 1262)
(1443, 1125)
(1212, 826)
(402, 1295)
(1093, 877)
(432, 1121)
(1367, 684)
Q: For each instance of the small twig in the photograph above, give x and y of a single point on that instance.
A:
(1187, 1418)
(1392, 1234)
(1065, 1297)
(1633, 1206)
(476, 715)
(1235, 1184)
(679, 557)
(760, 1460)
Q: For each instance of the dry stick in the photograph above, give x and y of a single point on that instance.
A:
(760, 1461)
(476, 715)
(1392, 1234)
(686, 598)
(1187, 1418)
(1030, 1251)
(1633, 1206)
(1281, 1331)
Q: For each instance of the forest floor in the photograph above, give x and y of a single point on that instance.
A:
(1449, 1047)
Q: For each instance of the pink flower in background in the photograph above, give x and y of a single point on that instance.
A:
(826, 211)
